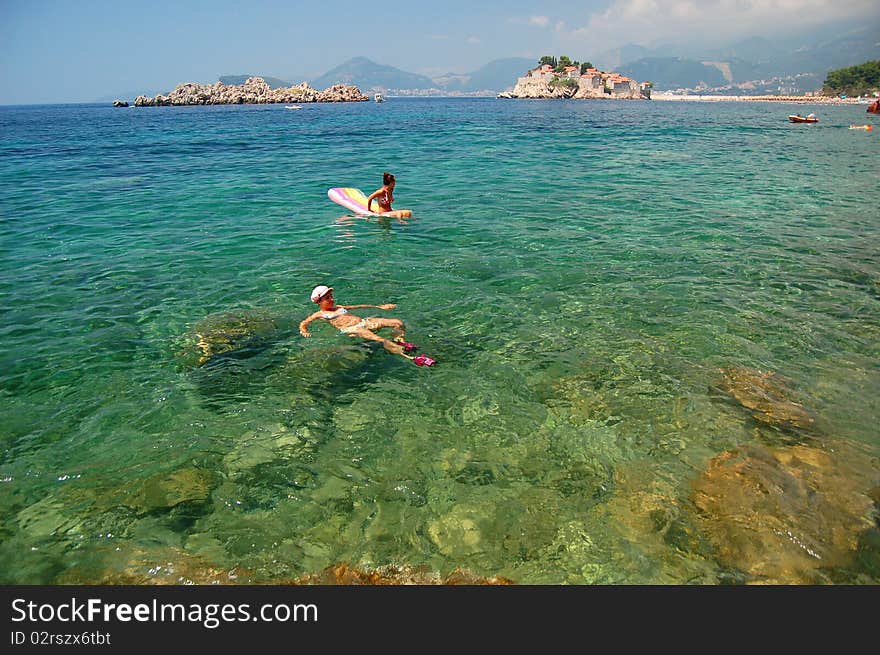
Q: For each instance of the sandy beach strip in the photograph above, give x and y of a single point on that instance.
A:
(822, 100)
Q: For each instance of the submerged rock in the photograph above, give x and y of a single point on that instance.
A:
(164, 491)
(49, 517)
(784, 514)
(321, 369)
(228, 332)
(165, 565)
(173, 566)
(344, 574)
(768, 395)
(459, 532)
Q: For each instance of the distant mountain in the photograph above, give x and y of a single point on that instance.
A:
(817, 49)
(681, 73)
(836, 51)
(612, 59)
(798, 62)
(794, 62)
(451, 82)
(674, 73)
(719, 77)
(499, 74)
(273, 82)
(369, 76)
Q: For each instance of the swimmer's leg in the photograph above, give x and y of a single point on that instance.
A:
(397, 327)
(390, 346)
(399, 214)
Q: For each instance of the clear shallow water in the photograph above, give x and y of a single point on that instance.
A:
(582, 271)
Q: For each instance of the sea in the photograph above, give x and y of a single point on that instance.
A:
(656, 328)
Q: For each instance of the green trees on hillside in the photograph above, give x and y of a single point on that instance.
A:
(560, 64)
(854, 81)
(563, 63)
(566, 83)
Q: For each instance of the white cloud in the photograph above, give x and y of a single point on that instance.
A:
(540, 21)
(473, 40)
(664, 19)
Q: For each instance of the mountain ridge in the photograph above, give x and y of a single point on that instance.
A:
(273, 82)
(795, 62)
(369, 76)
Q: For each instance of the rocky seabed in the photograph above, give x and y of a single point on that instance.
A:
(254, 91)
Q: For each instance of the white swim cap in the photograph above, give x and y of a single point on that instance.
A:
(319, 292)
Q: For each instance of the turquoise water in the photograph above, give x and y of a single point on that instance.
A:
(583, 272)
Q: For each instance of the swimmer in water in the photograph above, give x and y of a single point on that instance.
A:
(339, 317)
(384, 196)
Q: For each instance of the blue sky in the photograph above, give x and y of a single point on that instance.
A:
(79, 51)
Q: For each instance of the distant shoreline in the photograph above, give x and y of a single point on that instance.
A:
(801, 100)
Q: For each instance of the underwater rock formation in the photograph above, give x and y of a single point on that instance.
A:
(173, 566)
(344, 574)
(164, 491)
(163, 565)
(768, 395)
(785, 515)
(228, 332)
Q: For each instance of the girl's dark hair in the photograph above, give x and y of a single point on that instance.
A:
(387, 178)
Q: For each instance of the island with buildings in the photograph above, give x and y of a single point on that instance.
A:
(564, 78)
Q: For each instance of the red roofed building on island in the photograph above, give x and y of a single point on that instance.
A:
(591, 80)
(592, 83)
(620, 85)
(544, 72)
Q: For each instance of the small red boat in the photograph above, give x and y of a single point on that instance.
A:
(797, 118)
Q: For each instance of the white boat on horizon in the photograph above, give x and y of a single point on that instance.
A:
(292, 107)
(379, 97)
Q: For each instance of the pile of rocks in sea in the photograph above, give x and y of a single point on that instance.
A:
(253, 91)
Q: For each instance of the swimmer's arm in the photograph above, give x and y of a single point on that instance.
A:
(302, 326)
(385, 306)
(375, 194)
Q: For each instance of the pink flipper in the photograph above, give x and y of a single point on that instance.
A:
(409, 347)
(423, 360)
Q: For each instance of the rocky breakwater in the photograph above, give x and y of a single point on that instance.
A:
(254, 91)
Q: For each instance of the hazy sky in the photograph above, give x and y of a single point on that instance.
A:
(82, 50)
